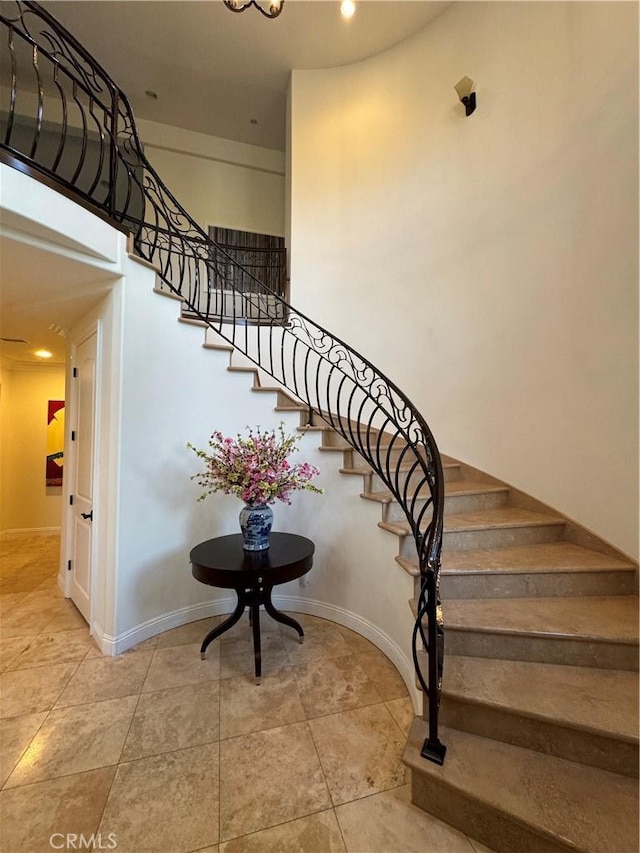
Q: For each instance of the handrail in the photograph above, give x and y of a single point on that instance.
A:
(68, 123)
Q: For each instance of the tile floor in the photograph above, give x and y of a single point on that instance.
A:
(158, 751)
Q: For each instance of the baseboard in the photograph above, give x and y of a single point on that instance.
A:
(116, 645)
(29, 531)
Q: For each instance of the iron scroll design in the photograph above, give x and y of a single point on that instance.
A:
(65, 122)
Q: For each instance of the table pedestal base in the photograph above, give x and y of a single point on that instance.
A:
(252, 598)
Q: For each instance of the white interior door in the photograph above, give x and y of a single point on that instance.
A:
(83, 478)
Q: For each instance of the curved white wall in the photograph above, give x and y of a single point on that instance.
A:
(489, 264)
(159, 389)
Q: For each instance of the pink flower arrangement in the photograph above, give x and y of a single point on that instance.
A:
(254, 468)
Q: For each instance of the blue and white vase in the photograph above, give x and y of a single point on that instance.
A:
(255, 523)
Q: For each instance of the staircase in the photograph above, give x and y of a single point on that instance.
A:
(540, 692)
(539, 698)
(539, 706)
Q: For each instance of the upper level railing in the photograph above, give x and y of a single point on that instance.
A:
(64, 121)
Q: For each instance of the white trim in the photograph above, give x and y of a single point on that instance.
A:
(16, 532)
(111, 645)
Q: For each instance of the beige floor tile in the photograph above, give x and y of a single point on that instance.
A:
(244, 663)
(389, 823)
(73, 740)
(64, 647)
(360, 751)
(318, 833)
(330, 685)
(21, 623)
(181, 665)
(67, 619)
(26, 691)
(15, 736)
(241, 642)
(174, 719)
(358, 645)
(10, 649)
(268, 778)
(384, 675)
(402, 712)
(41, 599)
(9, 600)
(193, 632)
(106, 678)
(479, 848)
(166, 803)
(320, 641)
(248, 707)
(30, 815)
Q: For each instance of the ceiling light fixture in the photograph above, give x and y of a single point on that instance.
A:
(268, 8)
(43, 353)
(347, 8)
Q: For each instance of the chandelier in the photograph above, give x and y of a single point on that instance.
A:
(268, 8)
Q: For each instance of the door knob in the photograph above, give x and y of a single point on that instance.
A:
(87, 515)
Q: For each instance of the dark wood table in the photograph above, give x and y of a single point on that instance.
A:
(222, 562)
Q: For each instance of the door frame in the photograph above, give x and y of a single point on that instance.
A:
(71, 461)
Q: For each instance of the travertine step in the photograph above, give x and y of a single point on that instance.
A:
(546, 569)
(490, 528)
(374, 483)
(578, 713)
(460, 496)
(517, 800)
(583, 631)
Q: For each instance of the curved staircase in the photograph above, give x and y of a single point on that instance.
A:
(540, 693)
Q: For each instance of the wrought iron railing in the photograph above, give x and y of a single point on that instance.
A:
(64, 121)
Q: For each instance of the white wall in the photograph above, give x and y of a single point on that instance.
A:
(489, 265)
(174, 391)
(26, 504)
(219, 182)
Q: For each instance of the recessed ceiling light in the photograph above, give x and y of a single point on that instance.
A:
(151, 94)
(43, 353)
(347, 8)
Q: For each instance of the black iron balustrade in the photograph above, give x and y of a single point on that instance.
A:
(64, 121)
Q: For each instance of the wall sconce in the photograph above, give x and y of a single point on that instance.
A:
(467, 96)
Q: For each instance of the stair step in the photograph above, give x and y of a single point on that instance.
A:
(220, 347)
(158, 288)
(515, 799)
(543, 570)
(600, 632)
(490, 528)
(578, 713)
(460, 496)
(451, 471)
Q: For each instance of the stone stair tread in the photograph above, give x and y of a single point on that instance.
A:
(610, 618)
(453, 487)
(503, 517)
(365, 471)
(595, 700)
(541, 558)
(485, 519)
(594, 810)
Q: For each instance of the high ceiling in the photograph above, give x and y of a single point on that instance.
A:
(213, 71)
